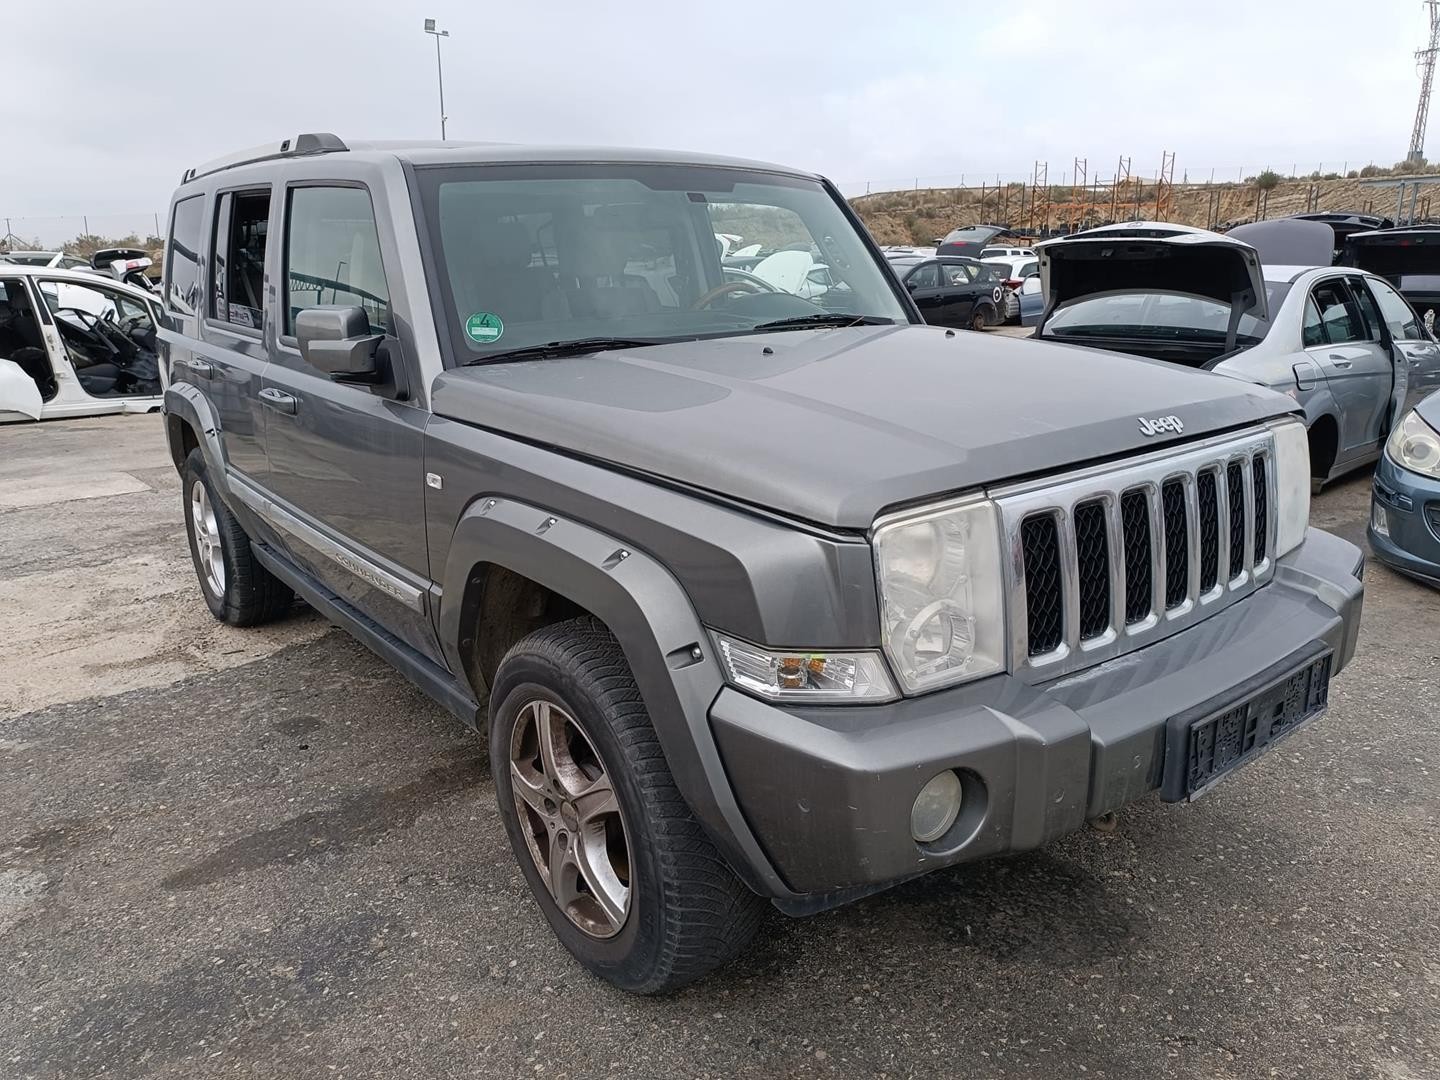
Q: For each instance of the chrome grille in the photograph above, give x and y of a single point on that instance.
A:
(1112, 558)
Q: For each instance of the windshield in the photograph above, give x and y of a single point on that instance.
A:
(1158, 315)
(538, 254)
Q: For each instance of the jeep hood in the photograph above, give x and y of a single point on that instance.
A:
(1151, 257)
(835, 426)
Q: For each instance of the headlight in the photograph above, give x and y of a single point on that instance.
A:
(800, 675)
(1415, 445)
(1292, 484)
(941, 594)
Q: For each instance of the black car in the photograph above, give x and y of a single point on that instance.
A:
(951, 291)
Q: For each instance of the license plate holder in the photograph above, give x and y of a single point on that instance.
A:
(1205, 744)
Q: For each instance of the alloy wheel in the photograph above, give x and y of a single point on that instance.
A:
(570, 817)
(206, 531)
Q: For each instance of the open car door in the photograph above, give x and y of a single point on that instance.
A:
(18, 392)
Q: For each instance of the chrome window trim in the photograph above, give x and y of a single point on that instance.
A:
(1059, 495)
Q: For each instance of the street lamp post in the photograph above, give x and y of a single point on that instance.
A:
(439, 70)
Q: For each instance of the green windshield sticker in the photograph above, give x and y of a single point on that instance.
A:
(483, 328)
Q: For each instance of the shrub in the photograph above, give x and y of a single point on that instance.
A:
(1267, 180)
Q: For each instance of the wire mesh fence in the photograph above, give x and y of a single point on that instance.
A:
(54, 232)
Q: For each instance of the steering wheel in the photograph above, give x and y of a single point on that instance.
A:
(711, 295)
(91, 326)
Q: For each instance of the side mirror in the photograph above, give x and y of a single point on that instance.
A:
(336, 339)
(912, 285)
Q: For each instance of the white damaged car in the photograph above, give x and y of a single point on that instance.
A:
(75, 344)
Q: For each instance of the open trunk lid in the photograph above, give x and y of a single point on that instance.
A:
(1290, 241)
(1407, 257)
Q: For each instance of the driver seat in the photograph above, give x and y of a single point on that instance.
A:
(601, 289)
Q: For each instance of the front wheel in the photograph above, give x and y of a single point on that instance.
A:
(624, 874)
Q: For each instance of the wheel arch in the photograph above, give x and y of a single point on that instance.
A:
(189, 424)
(642, 604)
(1324, 436)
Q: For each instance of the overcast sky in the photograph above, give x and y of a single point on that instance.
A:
(126, 95)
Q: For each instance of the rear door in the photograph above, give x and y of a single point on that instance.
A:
(961, 289)
(1356, 363)
(228, 361)
(1417, 357)
(346, 458)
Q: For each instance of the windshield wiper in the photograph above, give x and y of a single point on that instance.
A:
(823, 319)
(574, 347)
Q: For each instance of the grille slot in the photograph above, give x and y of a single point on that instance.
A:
(1113, 558)
(1044, 607)
(1209, 503)
(1177, 552)
(1262, 510)
(1235, 487)
(1092, 559)
(1135, 523)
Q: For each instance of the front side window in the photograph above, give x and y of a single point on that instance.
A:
(924, 276)
(332, 254)
(1396, 311)
(237, 271)
(109, 338)
(182, 257)
(538, 254)
(1339, 314)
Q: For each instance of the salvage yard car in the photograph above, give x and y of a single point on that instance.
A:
(72, 344)
(1340, 341)
(1404, 527)
(951, 291)
(760, 597)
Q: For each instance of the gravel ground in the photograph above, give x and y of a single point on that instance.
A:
(262, 853)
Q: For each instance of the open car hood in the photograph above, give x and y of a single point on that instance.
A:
(1289, 241)
(1147, 256)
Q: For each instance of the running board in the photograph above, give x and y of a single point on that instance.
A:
(420, 670)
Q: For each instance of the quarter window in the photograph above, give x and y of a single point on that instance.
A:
(1396, 311)
(1312, 330)
(332, 254)
(237, 270)
(182, 257)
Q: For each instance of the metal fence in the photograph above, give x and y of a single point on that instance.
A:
(54, 231)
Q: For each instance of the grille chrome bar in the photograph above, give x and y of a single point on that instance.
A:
(1180, 528)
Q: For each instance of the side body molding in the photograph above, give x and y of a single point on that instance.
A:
(652, 618)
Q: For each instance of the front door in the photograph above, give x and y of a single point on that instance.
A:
(105, 337)
(345, 458)
(924, 285)
(1357, 367)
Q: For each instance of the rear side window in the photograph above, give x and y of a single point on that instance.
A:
(1028, 268)
(1397, 313)
(958, 274)
(182, 256)
(237, 258)
(332, 254)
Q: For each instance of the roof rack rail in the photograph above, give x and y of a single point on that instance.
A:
(311, 142)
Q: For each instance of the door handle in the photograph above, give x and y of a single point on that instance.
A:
(203, 368)
(278, 400)
(1340, 361)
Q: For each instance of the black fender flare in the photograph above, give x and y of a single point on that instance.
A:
(645, 607)
(186, 404)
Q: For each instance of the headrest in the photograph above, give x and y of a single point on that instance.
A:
(506, 246)
(600, 253)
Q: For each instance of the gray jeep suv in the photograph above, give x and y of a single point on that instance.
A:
(766, 591)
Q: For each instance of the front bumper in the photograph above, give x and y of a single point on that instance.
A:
(1410, 504)
(828, 791)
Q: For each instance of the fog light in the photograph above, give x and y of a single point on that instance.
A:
(936, 808)
(1379, 520)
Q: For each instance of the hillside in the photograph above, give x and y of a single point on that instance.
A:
(918, 217)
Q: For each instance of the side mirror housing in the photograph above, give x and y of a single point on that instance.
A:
(336, 339)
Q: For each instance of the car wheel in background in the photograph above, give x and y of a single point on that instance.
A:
(980, 317)
(623, 872)
(237, 589)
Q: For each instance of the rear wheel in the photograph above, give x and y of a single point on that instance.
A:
(979, 318)
(237, 589)
(624, 874)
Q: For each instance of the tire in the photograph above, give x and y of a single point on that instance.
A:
(683, 913)
(237, 589)
(979, 318)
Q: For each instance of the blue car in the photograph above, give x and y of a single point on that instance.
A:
(1404, 528)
